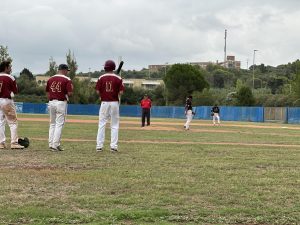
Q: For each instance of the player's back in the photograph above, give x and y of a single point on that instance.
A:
(7, 85)
(109, 86)
(58, 86)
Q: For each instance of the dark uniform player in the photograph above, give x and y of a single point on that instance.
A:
(188, 112)
(215, 111)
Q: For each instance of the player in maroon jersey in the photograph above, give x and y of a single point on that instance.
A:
(109, 86)
(8, 88)
(59, 88)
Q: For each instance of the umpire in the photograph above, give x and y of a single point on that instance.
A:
(146, 106)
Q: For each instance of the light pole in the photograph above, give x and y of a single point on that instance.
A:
(166, 92)
(166, 64)
(255, 50)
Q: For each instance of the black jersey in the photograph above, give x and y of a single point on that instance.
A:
(215, 109)
(188, 104)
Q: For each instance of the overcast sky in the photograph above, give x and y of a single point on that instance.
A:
(147, 32)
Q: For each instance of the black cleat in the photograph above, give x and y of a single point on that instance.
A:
(57, 149)
(99, 150)
(114, 150)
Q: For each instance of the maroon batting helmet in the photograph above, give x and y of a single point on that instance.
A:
(109, 65)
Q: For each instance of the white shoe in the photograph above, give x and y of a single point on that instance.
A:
(16, 146)
(2, 146)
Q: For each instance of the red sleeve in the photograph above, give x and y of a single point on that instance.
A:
(150, 103)
(14, 87)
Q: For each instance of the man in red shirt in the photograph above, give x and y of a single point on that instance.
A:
(8, 88)
(146, 106)
(59, 88)
(109, 86)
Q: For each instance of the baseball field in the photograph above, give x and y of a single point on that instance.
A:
(236, 173)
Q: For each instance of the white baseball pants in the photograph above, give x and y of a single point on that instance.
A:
(8, 114)
(216, 116)
(189, 117)
(57, 111)
(108, 110)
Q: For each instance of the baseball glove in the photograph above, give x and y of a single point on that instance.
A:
(24, 142)
(212, 114)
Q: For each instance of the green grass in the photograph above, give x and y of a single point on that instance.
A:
(153, 183)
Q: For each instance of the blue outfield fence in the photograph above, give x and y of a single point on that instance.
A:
(232, 113)
(293, 115)
(227, 113)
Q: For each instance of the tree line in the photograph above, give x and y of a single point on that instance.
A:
(259, 85)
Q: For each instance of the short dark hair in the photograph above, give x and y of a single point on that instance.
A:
(63, 67)
(4, 65)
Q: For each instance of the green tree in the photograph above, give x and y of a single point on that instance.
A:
(27, 74)
(239, 84)
(132, 96)
(158, 96)
(296, 85)
(223, 78)
(182, 80)
(203, 98)
(77, 96)
(28, 88)
(71, 61)
(52, 68)
(84, 92)
(4, 54)
(262, 68)
(276, 83)
(245, 97)
(218, 78)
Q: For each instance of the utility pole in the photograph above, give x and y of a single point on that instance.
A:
(225, 48)
(255, 50)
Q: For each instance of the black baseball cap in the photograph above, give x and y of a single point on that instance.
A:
(63, 67)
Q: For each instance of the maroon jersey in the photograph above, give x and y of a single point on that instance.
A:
(7, 85)
(58, 87)
(109, 86)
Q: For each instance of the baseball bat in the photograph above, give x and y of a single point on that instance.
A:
(119, 67)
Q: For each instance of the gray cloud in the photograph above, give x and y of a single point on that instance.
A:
(147, 32)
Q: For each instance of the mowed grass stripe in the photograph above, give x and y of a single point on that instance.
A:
(165, 122)
(180, 142)
(147, 183)
(247, 136)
